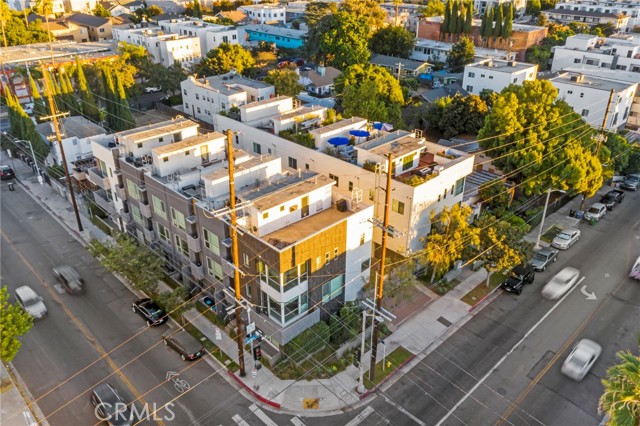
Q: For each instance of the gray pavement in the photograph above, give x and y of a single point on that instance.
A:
(420, 334)
(15, 397)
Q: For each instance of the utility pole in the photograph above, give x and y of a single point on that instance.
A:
(383, 258)
(399, 69)
(56, 127)
(236, 261)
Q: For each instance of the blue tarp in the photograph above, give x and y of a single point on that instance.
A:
(359, 133)
(383, 126)
(339, 140)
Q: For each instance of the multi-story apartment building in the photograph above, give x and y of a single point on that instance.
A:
(204, 97)
(304, 245)
(165, 49)
(434, 51)
(625, 8)
(57, 6)
(589, 51)
(495, 75)
(211, 35)
(567, 16)
(266, 13)
(588, 96)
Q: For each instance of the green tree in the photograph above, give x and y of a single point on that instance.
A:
(488, 96)
(457, 115)
(446, 22)
(112, 105)
(22, 127)
(435, 111)
(363, 100)
(137, 263)
(89, 107)
(538, 55)
(498, 18)
(225, 58)
(345, 40)
(14, 322)
(634, 160)
(174, 302)
(67, 93)
(315, 11)
(392, 41)
(621, 397)
(285, 81)
(579, 27)
(432, 8)
(489, 25)
(386, 84)
(39, 108)
(16, 31)
(154, 10)
(617, 151)
(125, 118)
(547, 4)
(454, 18)
(100, 10)
(450, 238)
(463, 52)
(369, 10)
(494, 196)
(468, 20)
(507, 27)
(533, 7)
(197, 11)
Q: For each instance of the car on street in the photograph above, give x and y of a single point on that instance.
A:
(560, 283)
(518, 278)
(69, 278)
(28, 108)
(611, 198)
(581, 359)
(566, 238)
(149, 311)
(596, 212)
(152, 89)
(31, 302)
(110, 407)
(543, 257)
(631, 182)
(6, 172)
(184, 343)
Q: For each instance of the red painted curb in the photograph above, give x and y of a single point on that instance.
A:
(393, 373)
(254, 393)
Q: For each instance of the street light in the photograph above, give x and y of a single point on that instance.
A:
(544, 214)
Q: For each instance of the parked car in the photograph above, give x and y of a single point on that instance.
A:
(31, 302)
(596, 212)
(581, 359)
(149, 311)
(152, 89)
(28, 108)
(566, 238)
(6, 172)
(611, 198)
(185, 344)
(560, 283)
(518, 277)
(110, 407)
(541, 258)
(631, 182)
(69, 278)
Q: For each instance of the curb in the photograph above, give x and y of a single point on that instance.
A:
(389, 376)
(486, 296)
(29, 401)
(252, 392)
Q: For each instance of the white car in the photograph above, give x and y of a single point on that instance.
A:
(560, 283)
(31, 302)
(581, 359)
(566, 238)
(28, 108)
(596, 211)
(152, 89)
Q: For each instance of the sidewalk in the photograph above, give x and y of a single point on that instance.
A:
(15, 396)
(419, 334)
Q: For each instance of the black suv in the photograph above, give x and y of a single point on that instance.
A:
(110, 407)
(518, 277)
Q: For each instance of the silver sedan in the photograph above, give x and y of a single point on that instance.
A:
(581, 359)
(560, 283)
(566, 238)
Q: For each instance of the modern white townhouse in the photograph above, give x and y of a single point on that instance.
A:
(567, 16)
(598, 53)
(266, 13)
(495, 75)
(631, 9)
(165, 49)
(211, 35)
(434, 51)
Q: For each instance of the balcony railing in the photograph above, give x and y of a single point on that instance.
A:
(197, 271)
(194, 243)
(103, 201)
(145, 210)
(95, 176)
(121, 193)
(149, 235)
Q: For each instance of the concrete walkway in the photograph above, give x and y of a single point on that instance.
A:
(16, 399)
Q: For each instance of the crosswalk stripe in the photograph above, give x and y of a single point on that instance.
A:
(239, 420)
(297, 422)
(262, 416)
(360, 417)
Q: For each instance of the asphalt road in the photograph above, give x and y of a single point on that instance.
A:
(95, 337)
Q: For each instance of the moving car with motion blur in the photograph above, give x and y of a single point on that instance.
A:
(560, 283)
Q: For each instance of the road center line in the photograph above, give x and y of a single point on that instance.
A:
(495, 367)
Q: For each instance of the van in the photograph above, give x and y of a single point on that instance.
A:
(69, 278)
(31, 302)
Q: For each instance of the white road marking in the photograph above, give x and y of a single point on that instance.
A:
(262, 416)
(297, 422)
(405, 412)
(495, 367)
(360, 417)
(239, 420)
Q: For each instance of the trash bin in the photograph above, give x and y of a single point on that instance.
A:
(579, 214)
(593, 221)
(572, 213)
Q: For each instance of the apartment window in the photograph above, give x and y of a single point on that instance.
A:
(444, 195)
(184, 92)
(365, 265)
(293, 163)
(181, 246)
(372, 194)
(257, 148)
(163, 233)
(407, 162)
(132, 189)
(197, 96)
(570, 92)
(398, 206)
(585, 112)
(327, 257)
(177, 219)
(350, 186)
(318, 262)
(582, 94)
(469, 89)
(490, 77)
(335, 253)
(515, 80)
(186, 106)
(336, 178)
(459, 186)
(577, 60)
(198, 109)
(165, 159)
(332, 289)
(137, 216)
(211, 241)
(214, 269)
(472, 74)
(245, 259)
(158, 207)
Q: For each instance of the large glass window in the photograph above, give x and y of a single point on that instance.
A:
(182, 246)
(211, 241)
(397, 206)
(459, 186)
(163, 233)
(132, 189)
(332, 289)
(291, 309)
(158, 207)
(214, 269)
(274, 310)
(177, 219)
(137, 216)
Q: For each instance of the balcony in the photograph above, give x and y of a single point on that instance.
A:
(121, 193)
(95, 176)
(103, 200)
(194, 243)
(197, 271)
(145, 210)
(149, 235)
(126, 217)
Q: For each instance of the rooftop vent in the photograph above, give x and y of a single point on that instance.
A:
(578, 78)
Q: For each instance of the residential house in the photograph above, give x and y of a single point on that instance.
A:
(598, 53)
(98, 28)
(211, 35)
(625, 8)
(481, 6)
(61, 29)
(434, 51)
(204, 97)
(280, 36)
(82, 6)
(566, 16)
(319, 81)
(589, 96)
(114, 8)
(165, 49)
(134, 5)
(265, 13)
(495, 75)
(76, 139)
(237, 16)
(399, 66)
(57, 6)
(169, 6)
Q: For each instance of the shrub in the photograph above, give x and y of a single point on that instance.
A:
(309, 341)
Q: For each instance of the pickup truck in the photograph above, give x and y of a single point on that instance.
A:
(611, 198)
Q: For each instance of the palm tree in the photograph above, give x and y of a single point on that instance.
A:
(621, 398)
